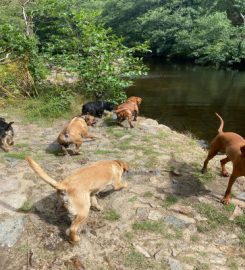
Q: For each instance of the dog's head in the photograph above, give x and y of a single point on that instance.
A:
(109, 106)
(136, 100)
(123, 165)
(89, 119)
(6, 136)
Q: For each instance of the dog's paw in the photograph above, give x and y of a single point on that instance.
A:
(225, 174)
(203, 170)
(74, 240)
(225, 200)
(97, 208)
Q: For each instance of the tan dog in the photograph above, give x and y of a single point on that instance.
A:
(128, 109)
(234, 147)
(75, 190)
(75, 131)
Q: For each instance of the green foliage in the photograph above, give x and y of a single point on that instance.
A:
(52, 103)
(75, 40)
(65, 34)
(210, 32)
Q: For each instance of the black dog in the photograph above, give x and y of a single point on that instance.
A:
(97, 108)
(6, 134)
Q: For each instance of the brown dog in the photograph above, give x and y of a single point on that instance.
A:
(128, 109)
(234, 147)
(75, 131)
(75, 190)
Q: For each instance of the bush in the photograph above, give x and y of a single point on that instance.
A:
(52, 103)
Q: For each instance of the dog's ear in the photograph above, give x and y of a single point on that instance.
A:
(242, 148)
(139, 100)
(9, 126)
(123, 165)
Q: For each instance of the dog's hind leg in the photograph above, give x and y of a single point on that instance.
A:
(212, 152)
(64, 149)
(94, 203)
(81, 205)
(78, 143)
(223, 169)
(226, 199)
(135, 114)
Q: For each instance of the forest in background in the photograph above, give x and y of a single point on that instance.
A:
(207, 32)
(102, 44)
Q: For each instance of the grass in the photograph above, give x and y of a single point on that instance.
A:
(242, 239)
(202, 266)
(16, 155)
(105, 152)
(232, 264)
(112, 215)
(119, 132)
(215, 217)
(240, 221)
(26, 207)
(151, 226)
(169, 201)
(194, 238)
(129, 235)
(132, 199)
(137, 261)
(148, 194)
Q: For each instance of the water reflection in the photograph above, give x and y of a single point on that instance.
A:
(185, 97)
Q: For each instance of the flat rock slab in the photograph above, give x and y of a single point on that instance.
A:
(11, 203)
(174, 264)
(10, 230)
(179, 221)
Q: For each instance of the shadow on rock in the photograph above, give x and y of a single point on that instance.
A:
(185, 179)
(54, 148)
(49, 210)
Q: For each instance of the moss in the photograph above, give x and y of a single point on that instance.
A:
(151, 226)
(170, 200)
(112, 215)
(26, 207)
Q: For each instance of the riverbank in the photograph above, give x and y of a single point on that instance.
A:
(170, 217)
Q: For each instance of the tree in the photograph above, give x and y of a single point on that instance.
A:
(72, 38)
(208, 32)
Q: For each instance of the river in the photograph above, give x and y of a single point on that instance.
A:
(185, 97)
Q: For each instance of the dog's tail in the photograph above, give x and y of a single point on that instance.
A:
(36, 168)
(221, 123)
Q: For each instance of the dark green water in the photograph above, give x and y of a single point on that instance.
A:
(185, 98)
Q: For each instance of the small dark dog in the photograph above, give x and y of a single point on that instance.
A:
(97, 108)
(6, 135)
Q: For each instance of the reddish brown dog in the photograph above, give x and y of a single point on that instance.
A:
(75, 131)
(234, 147)
(128, 109)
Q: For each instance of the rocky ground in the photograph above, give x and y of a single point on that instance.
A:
(170, 217)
